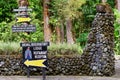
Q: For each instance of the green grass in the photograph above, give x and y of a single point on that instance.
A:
(64, 49)
(54, 49)
(9, 48)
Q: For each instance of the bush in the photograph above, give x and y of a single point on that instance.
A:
(64, 49)
(9, 48)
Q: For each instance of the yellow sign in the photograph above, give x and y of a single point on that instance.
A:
(37, 63)
(23, 19)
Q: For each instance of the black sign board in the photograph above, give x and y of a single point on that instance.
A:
(37, 50)
(21, 14)
(35, 55)
(22, 28)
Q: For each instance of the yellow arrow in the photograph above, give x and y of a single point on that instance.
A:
(24, 19)
(37, 63)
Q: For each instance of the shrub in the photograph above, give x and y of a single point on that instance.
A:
(9, 48)
(64, 49)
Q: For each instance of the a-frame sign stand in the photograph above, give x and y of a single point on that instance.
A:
(34, 54)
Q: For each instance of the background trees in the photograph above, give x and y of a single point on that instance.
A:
(57, 21)
(67, 11)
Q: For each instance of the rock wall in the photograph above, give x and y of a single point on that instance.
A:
(10, 65)
(58, 65)
(98, 55)
(65, 65)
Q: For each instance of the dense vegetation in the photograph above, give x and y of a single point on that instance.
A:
(80, 12)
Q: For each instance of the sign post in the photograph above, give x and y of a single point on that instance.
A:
(34, 54)
(23, 18)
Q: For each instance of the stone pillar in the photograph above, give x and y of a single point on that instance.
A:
(98, 55)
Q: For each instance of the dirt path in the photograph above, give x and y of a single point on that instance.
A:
(57, 78)
(117, 68)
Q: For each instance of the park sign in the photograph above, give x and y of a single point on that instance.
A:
(35, 54)
(24, 28)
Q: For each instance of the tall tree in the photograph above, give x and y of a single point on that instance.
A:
(68, 9)
(69, 34)
(62, 32)
(58, 34)
(72, 12)
(47, 28)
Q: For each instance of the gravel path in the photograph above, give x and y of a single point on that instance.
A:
(117, 67)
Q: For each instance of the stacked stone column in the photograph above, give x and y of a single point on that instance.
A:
(98, 55)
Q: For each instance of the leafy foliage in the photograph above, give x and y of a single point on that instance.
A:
(8, 36)
(117, 31)
(37, 6)
(82, 38)
(89, 11)
(68, 8)
(6, 9)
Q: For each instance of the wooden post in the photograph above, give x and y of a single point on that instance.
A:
(24, 3)
(44, 73)
(104, 1)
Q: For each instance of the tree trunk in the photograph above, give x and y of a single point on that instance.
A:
(47, 28)
(69, 32)
(118, 4)
(58, 34)
(62, 32)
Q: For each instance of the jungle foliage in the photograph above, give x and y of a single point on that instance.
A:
(82, 14)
